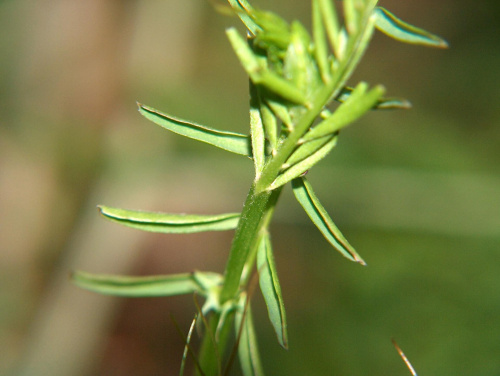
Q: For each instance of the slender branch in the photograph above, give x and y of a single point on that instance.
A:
(244, 239)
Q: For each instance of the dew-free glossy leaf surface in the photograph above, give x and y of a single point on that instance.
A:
(392, 26)
(271, 290)
(356, 105)
(170, 223)
(299, 64)
(260, 74)
(257, 132)
(230, 141)
(186, 346)
(244, 11)
(320, 43)
(270, 123)
(306, 197)
(281, 112)
(382, 103)
(162, 285)
(305, 150)
(248, 351)
(304, 165)
(330, 22)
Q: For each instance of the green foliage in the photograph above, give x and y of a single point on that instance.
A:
(161, 285)
(382, 103)
(389, 24)
(230, 141)
(271, 290)
(306, 197)
(295, 79)
(248, 350)
(170, 223)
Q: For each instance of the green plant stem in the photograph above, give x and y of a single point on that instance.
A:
(263, 229)
(256, 217)
(245, 237)
(259, 205)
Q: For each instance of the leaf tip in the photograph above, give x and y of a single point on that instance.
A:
(406, 105)
(443, 44)
(75, 277)
(284, 342)
(380, 89)
(101, 209)
(283, 338)
(437, 42)
(143, 108)
(360, 261)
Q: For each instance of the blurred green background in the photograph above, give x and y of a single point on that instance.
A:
(416, 192)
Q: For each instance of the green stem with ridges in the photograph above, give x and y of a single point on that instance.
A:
(245, 237)
(255, 219)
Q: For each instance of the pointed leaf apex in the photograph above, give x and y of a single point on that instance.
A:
(359, 260)
(395, 28)
(271, 290)
(306, 197)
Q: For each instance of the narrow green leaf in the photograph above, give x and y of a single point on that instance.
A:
(306, 197)
(271, 289)
(303, 166)
(314, 80)
(243, 51)
(395, 28)
(382, 103)
(299, 65)
(320, 43)
(261, 75)
(162, 285)
(274, 42)
(343, 41)
(358, 103)
(354, 47)
(243, 10)
(295, 66)
(280, 86)
(305, 150)
(270, 23)
(257, 132)
(352, 15)
(170, 223)
(281, 112)
(248, 351)
(186, 346)
(392, 104)
(270, 125)
(230, 141)
(331, 23)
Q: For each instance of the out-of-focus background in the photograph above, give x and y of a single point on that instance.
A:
(416, 192)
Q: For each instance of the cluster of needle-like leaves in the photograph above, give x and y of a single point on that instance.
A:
(294, 78)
